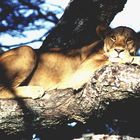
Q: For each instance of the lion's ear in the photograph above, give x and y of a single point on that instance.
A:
(102, 30)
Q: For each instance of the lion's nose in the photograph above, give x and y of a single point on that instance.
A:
(119, 50)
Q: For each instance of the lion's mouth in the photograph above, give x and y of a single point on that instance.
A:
(119, 55)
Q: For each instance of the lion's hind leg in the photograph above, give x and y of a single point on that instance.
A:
(15, 66)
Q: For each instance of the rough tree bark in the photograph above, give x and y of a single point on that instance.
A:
(76, 28)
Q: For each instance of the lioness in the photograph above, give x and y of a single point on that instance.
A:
(62, 68)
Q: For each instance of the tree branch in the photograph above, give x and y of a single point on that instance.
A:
(77, 26)
(111, 83)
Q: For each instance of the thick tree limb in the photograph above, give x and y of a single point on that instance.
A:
(77, 27)
(111, 83)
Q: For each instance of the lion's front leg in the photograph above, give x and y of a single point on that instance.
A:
(136, 60)
(128, 60)
(33, 92)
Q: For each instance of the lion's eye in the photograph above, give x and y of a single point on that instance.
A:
(129, 40)
(113, 38)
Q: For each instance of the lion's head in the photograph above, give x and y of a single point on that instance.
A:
(120, 42)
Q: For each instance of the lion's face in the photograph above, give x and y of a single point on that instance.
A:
(120, 43)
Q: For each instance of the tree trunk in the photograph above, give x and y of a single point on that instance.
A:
(77, 27)
(111, 83)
